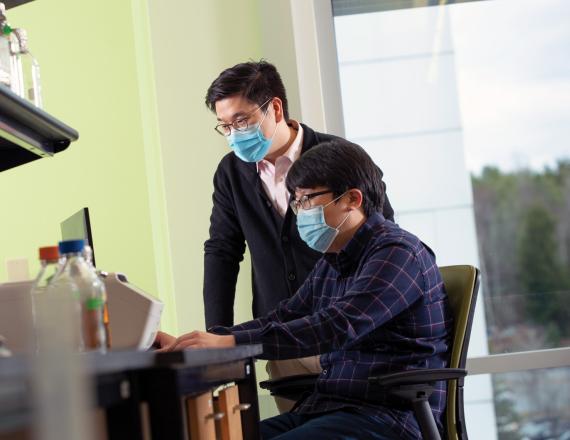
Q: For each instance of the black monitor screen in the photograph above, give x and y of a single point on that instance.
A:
(78, 226)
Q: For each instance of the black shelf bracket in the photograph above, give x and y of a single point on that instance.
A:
(28, 133)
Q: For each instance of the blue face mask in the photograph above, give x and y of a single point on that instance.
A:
(314, 230)
(250, 145)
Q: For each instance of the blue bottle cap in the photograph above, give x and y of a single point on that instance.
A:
(71, 246)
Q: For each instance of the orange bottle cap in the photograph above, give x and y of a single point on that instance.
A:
(50, 253)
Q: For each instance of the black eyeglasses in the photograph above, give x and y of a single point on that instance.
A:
(240, 124)
(305, 201)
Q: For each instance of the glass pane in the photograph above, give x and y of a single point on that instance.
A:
(529, 405)
(466, 108)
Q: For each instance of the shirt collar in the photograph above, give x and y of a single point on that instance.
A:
(294, 150)
(352, 252)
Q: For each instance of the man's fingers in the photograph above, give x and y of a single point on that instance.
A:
(185, 344)
(187, 336)
(195, 339)
(163, 339)
(164, 349)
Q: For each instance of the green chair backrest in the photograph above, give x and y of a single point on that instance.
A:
(461, 284)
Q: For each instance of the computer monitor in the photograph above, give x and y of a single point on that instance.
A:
(78, 226)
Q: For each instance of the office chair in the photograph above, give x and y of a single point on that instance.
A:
(416, 386)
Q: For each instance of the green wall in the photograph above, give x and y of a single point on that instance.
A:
(131, 77)
(88, 55)
(192, 42)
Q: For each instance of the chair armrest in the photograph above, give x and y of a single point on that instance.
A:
(298, 380)
(419, 376)
(290, 387)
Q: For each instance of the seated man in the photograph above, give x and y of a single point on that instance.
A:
(374, 304)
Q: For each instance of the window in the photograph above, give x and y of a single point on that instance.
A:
(466, 108)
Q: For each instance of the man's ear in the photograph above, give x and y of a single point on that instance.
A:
(355, 198)
(277, 105)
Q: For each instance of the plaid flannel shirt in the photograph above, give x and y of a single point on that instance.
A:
(377, 307)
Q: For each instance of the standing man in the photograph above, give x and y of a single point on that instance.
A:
(251, 201)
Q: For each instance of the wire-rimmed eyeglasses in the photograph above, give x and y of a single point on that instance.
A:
(305, 201)
(240, 124)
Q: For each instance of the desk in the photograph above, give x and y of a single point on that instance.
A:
(122, 380)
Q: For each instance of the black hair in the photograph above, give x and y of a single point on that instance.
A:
(339, 165)
(256, 81)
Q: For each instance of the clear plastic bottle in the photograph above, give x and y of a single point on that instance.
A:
(49, 261)
(57, 373)
(28, 83)
(50, 265)
(79, 279)
(19, 70)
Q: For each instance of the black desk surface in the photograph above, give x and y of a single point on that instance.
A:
(15, 371)
(117, 361)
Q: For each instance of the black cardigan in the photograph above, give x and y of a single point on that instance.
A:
(243, 213)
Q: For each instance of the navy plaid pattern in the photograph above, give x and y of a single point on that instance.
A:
(377, 307)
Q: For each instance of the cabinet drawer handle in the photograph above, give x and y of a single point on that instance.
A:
(216, 416)
(242, 407)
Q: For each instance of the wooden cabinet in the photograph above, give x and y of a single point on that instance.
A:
(201, 417)
(229, 426)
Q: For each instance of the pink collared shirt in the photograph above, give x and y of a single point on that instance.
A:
(273, 176)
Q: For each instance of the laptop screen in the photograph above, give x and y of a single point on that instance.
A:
(78, 226)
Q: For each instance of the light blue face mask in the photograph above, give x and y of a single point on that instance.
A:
(313, 228)
(251, 145)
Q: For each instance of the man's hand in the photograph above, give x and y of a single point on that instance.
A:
(163, 340)
(196, 339)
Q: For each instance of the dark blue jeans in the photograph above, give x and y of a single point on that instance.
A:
(343, 424)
